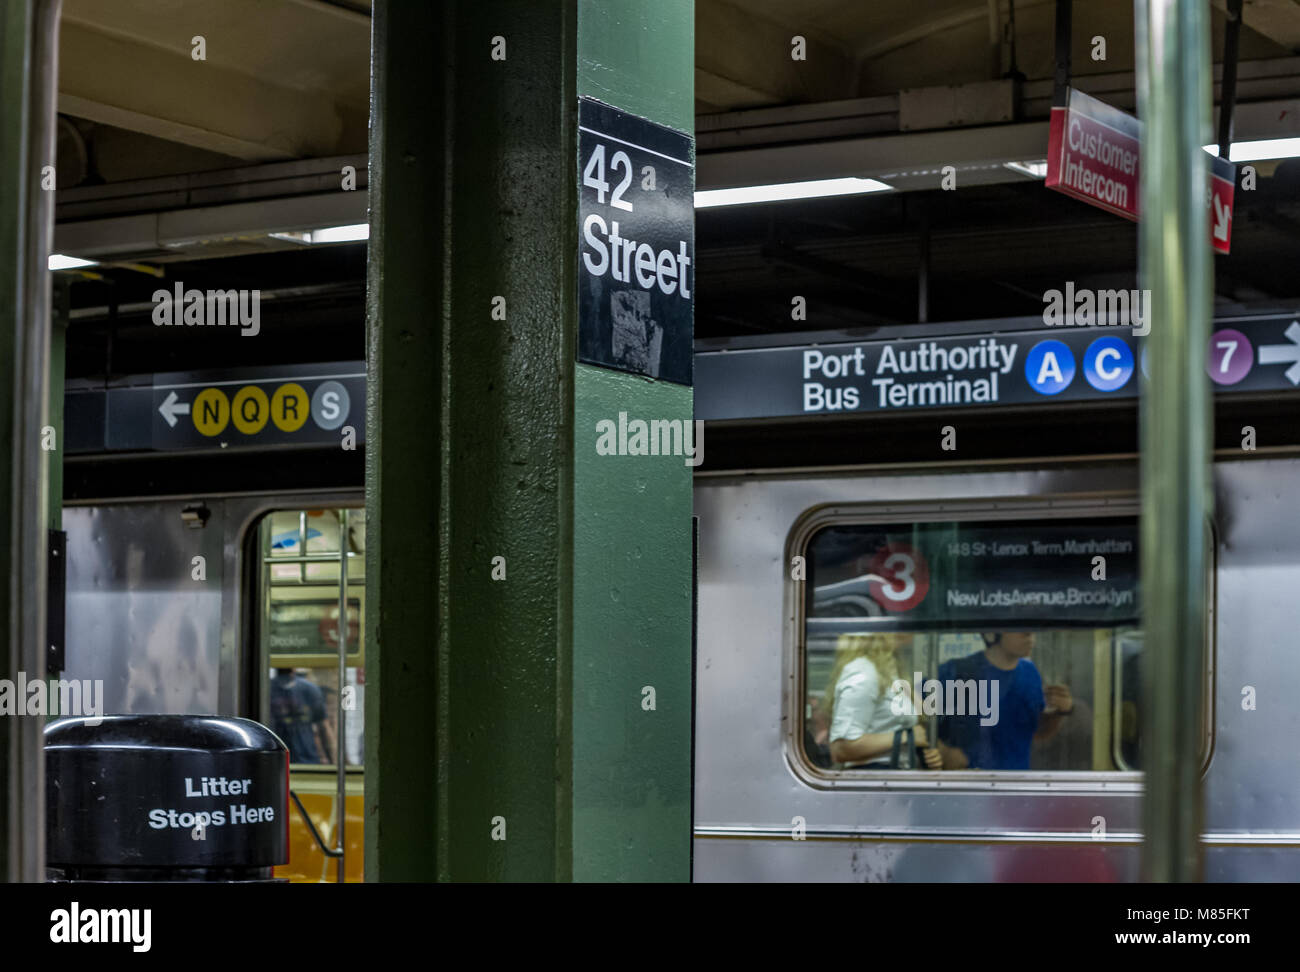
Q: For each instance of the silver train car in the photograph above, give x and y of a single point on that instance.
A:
(767, 809)
(788, 561)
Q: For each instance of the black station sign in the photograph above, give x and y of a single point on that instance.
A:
(314, 404)
(1027, 367)
(636, 249)
(965, 576)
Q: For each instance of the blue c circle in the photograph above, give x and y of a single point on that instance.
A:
(1108, 363)
(1049, 367)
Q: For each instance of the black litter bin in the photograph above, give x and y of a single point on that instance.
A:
(165, 798)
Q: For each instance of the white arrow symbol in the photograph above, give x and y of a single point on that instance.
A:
(1282, 353)
(1222, 214)
(170, 408)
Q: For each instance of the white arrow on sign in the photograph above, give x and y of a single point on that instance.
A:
(170, 408)
(1282, 353)
(1222, 217)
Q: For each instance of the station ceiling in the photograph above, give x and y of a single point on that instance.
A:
(288, 79)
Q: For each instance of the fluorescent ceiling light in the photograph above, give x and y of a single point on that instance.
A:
(341, 234)
(1264, 148)
(787, 190)
(1035, 170)
(59, 261)
(327, 234)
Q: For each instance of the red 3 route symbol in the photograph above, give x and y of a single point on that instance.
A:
(901, 577)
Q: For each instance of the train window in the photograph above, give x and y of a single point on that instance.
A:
(312, 562)
(988, 645)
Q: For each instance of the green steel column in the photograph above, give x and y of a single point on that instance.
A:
(632, 527)
(1174, 102)
(511, 707)
(28, 60)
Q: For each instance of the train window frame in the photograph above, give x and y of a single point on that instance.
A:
(985, 510)
(261, 658)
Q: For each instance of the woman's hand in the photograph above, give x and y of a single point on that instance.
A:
(932, 757)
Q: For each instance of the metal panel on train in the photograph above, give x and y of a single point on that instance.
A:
(752, 789)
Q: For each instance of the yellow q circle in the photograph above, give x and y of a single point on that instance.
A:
(289, 407)
(210, 411)
(250, 410)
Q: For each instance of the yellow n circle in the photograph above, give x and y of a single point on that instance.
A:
(211, 411)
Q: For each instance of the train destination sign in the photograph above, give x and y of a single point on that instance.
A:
(1094, 154)
(636, 251)
(1048, 364)
(963, 576)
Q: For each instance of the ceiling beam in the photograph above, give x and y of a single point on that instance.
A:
(752, 56)
(1278, 20)
(116, 80)
(928, 28)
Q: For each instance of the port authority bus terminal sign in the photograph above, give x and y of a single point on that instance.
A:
(964, 576)
(636, 250)
(1094, 154)
(1044, 365)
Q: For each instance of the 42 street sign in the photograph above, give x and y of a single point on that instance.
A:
(636, 264)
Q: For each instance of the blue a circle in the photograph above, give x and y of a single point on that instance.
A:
(1108, 363)
(1049, 367)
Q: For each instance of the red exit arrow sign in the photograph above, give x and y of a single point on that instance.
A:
(1094, 154)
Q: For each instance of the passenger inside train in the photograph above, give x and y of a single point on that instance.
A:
(1029, 711)
(299, 717)
(874, 721)
(996, 646)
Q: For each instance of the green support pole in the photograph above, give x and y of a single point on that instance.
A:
(507, 732)
(1174, 71)
(28, 71)
(59, 306)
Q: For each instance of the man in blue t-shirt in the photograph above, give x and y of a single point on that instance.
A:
(1025, 710)
(298, 717)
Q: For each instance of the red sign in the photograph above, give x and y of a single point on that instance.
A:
(1094, 154)
(1223, 186)
(900, 577)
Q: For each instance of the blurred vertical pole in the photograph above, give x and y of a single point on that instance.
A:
(28, 80)
(1173, 68)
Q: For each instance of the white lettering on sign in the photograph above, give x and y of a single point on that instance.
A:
(161, 818)
(216, 786)
(898, 371)
(622, 257)
(1098, 146)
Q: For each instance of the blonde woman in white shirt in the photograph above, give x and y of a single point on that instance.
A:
(869, 701)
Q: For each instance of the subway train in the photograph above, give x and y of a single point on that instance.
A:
(941, 523)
